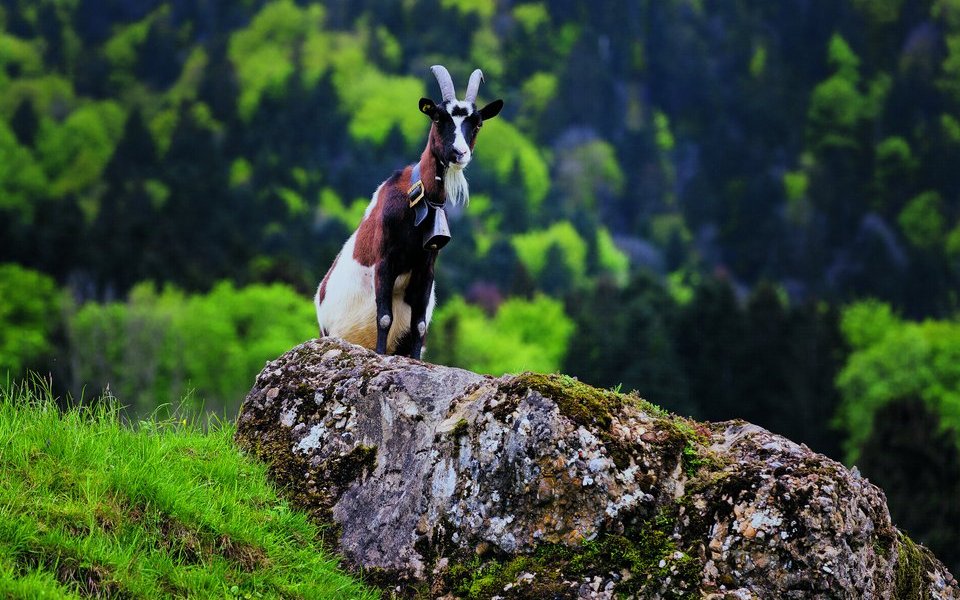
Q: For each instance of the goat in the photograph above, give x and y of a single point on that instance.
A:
(382, 281)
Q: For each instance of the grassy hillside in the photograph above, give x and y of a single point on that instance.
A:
(90, 507)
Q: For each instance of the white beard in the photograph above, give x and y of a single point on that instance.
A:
(455, 186)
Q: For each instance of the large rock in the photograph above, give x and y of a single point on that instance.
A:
(445, 482)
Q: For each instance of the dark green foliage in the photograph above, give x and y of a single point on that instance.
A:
(768, 362)
(899, 414)
(157, 347)
(637, 325)
(190, 143)
(31, 313)
(918, 467)
(126, 244)
(711, 357)
(24, 123)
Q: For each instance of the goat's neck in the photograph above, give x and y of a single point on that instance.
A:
(432, 171)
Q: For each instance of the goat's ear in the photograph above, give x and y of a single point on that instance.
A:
(428, 108)
(491, 110)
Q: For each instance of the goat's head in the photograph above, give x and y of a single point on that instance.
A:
(456, 123)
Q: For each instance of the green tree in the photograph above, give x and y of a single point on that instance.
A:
(710, 327)
(31, 310)
(896, 361)
(922, 222)
(75, 153)
(838, 105)
(122, 247)
(524, 335)
(22, 181)
(789, 357)
(626, 336)
(561, 241)
(588, 176)
(157, 347)
(901, 416)
(917, 465)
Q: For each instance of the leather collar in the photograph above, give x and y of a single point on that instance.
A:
(416, 195)
(437, 234)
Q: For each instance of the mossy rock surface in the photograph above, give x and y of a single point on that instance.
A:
(442, 482)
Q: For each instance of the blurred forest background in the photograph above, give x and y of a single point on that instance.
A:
(742, 209)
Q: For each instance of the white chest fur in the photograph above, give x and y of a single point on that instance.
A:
(349, 308)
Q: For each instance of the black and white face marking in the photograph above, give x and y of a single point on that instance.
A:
(457, 123)
(458, 126)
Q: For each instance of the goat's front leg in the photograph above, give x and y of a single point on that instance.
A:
(418, 297)
(384, 279)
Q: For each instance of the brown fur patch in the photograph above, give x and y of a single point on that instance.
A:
(369, 245)
(369, 242)
(322, 290)
(428, 167)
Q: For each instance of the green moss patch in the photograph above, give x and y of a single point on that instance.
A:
(645, 557)
(913, 563)
(479, 579)
(582, 403)
(459, 429)
(693, 455)
(594, 408)
(346, 469)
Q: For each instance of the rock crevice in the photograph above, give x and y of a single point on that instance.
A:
(451, 483)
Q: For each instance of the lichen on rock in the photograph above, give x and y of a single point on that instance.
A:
(442, 482)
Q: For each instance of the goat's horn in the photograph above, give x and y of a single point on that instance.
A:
(446, 83)
(474, 86)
